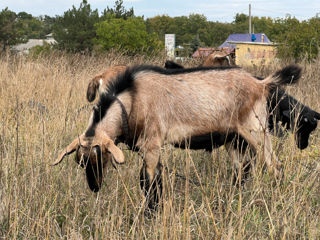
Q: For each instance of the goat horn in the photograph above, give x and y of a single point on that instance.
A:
(68, 150)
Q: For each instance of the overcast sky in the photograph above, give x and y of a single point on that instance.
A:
(219, 10)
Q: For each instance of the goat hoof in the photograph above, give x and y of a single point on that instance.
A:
(152, 189)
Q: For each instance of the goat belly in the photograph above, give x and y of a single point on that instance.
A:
(207, 142)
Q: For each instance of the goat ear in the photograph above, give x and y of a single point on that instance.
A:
(286, 113)
(116, 152)
(68, 150)
(316, 115)
(92, 88)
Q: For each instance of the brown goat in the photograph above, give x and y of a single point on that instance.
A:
(150, 106)
(219, 58)
(100, 81)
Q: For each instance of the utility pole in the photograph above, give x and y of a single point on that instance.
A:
(250, 19)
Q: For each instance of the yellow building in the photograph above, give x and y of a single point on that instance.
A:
(254, 53)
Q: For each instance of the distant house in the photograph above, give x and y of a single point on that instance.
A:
(230, 47)
(250, 50)
(25, 47)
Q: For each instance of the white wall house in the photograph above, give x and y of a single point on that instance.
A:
(24, 48)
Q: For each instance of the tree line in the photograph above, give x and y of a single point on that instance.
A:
(83, 29)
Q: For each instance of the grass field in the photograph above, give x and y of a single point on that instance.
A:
(43, 107)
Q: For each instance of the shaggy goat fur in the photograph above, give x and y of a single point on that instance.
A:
(282, 107)
(168, 106)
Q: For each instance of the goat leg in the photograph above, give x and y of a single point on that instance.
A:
(152, 187)
(260, 138)
(237, 150)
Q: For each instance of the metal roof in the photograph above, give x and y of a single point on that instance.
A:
(243, 37)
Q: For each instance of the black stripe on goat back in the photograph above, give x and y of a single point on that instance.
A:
(125, 81)
(120, 84)
(175, 71)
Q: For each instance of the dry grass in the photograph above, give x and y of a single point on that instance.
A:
(42, 104)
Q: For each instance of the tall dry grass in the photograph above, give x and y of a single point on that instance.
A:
(43, 107)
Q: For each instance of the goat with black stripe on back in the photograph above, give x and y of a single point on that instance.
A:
(283, 108)
(169, 106)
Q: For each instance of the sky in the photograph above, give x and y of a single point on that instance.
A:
(219, 10)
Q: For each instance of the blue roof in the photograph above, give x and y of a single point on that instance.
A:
(242, 37)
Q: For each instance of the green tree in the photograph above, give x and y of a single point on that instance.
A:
(195, 43)
(300, 39)
(241, 23)
(75, 30)
(31, 27)
(47, 24)
(187, 29)
(10, 29)
(118, 11)
(219, 32)
(160, 25)
(129, 35)
(314, 44)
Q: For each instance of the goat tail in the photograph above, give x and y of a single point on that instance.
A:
(92, 89)
(287, 75)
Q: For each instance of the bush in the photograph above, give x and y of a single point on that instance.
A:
(129, 35)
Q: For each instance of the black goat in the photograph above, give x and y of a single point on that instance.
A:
(294, 115)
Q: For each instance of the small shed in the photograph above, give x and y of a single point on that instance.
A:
(251, 49)
(254, 53)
